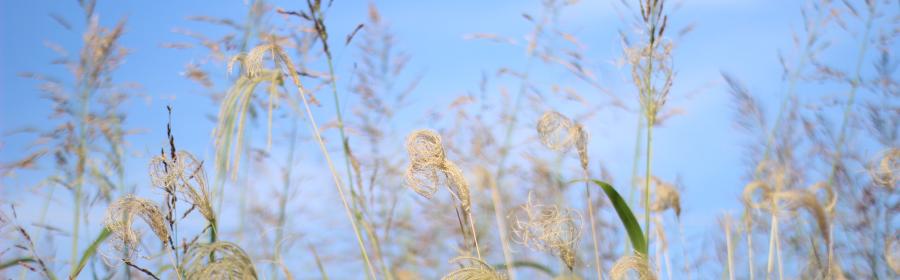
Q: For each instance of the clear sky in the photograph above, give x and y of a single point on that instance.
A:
(701, 147)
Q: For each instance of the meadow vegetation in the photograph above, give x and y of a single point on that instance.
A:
(499, 183)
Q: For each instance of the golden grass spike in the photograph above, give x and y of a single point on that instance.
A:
(667, 197)
(637, 263)
(457, 184)
(581, 141)
(557, 132)
(230, 262)
(473, 269)
(253, 61)
(120, 218)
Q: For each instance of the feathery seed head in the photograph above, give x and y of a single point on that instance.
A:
(120, 219)
(428, 164)
(557, 132)
(230, 262)
(888, 169)
(667, 197)
(473, 269)
(548, 228)
(637, 263)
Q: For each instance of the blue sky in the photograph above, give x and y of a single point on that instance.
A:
(701, 147)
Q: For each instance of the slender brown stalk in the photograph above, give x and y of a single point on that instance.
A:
(318, 137)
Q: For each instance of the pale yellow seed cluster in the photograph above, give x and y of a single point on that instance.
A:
(120, 221)
(637, 263)
(559, 133)
(667, 197)
(885, 173)
(429, 167)
(792, 199)
(229, 262)
(183, 174)
(473, 269)
(892, 252)
(548, 228)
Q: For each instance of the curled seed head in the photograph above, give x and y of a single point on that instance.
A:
(888, 169)
(548, 228)
(557, 132)
(429, 168)
(800, 198)
(230, 262)
(120, 219)
(892, 252)
(750, 189)
(830, 195)
(667, 197)
(637, 263)
(473, 269)
(423, 179)
(424, 147)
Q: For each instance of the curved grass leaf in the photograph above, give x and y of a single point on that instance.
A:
(89, 252)
(14, 262)
(534, 265)
(628, 220)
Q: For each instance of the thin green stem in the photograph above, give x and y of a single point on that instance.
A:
(79, 170)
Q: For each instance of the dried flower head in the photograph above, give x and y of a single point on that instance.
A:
(183, 174)
(120, 219)
(830, 195)
(886, 172)
(473, 269)
(556, 131)
(801, 198)
(430, 168)
(637, 263)
(548, 228)
(425, 147)
(229, 262)
(749, 191)
(667, 197)
(559, 133)
(892, 252)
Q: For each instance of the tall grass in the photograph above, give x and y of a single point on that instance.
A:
(820, 190)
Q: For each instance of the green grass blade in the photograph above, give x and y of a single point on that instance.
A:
(534, 265)
(628, 220)
(14, 262)
(89, 252)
